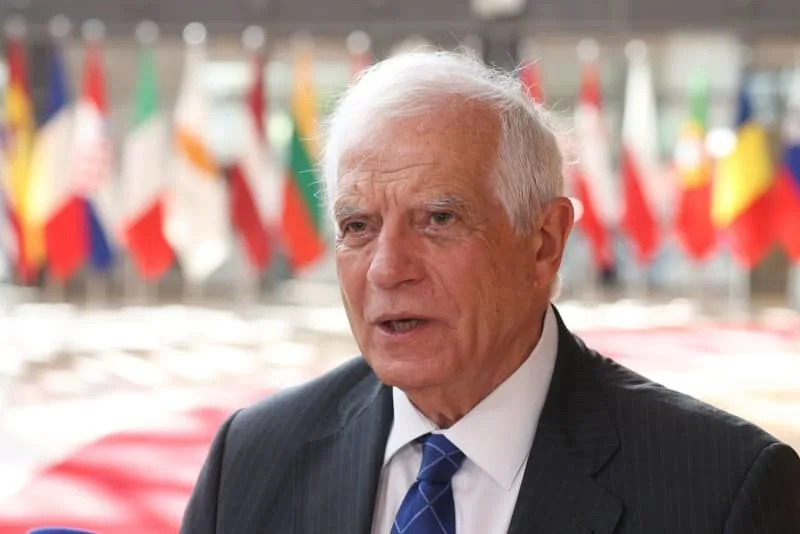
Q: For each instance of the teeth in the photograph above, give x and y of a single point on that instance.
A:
(404, 325)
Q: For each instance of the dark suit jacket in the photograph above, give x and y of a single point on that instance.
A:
(613, 452)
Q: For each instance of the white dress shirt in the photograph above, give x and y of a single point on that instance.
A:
(495, 436)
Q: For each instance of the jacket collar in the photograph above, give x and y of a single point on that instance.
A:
(575, 439)
(336, 474)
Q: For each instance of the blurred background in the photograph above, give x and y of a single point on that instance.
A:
(165, 257)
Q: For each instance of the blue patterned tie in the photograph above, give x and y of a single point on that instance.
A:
(428, 507)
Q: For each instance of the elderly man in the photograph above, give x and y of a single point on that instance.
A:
(473, 409)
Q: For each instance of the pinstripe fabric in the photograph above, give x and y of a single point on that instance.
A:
(614, 453)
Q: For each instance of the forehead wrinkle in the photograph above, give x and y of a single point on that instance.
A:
(377, 158)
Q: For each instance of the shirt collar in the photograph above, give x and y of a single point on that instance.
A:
(497, 434)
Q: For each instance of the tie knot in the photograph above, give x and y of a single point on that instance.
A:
(440, 459)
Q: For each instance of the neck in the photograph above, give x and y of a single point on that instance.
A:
(445, 406)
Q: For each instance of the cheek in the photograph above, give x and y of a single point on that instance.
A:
(352, 280)
(469, 277)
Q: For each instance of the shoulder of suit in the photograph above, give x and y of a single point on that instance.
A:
(299, 412)
(641, 406)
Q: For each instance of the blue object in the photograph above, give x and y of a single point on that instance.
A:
(428, 505)
(59, 530)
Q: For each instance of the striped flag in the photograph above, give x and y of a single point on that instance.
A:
(253, 175)
(693, 225)
(741, 200)
(786, 216)
(643, 190)
(143, 176)
(28, 240)
(303, 212)
(592, 177)
(196, 215)
(54, 203)
(92, 170)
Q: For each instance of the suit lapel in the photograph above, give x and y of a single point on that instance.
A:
(575, 438)
(336, 476)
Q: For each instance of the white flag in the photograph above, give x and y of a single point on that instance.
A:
(196, 218)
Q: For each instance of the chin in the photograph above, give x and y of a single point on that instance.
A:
(409, 373)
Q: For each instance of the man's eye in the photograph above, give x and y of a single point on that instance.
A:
(354, 226)
(442, 218)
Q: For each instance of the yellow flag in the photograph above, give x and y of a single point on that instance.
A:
(20, 119)
(743, 176)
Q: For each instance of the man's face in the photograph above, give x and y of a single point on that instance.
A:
(437, 286)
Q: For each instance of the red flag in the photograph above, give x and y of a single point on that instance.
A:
(592, 177)
(638, 219)
(250, 172)
(786, 215)
(530, 77)
(639, 162)
(359, 62)
(693, 225)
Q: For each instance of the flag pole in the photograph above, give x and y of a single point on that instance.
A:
(793, 287)
(55, 289)
(96, 289)
(739, 291)
(637, 285)
(592, 286)
(697, 284)
(247, 281)
(193, 293)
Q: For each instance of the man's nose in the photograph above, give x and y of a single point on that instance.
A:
(395, 260)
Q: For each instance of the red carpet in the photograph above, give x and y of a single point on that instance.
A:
(128, 483)
(139, 482)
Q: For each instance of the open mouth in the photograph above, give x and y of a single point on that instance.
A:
(401, 326)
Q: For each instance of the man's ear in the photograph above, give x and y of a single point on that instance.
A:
(554, 226)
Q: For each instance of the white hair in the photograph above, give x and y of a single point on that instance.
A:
(528, 166)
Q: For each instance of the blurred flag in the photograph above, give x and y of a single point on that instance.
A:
(358, 46)
(143, 176)
(29, 240)
(786, 216)
(253, 175)
(359, 62)
(55, 205)
(303, 212)
(741, 199)
(592, 178)
(530, 76)
(196, 216)
(92, 171)
(8, 246)
(693, 225)
(641, 174)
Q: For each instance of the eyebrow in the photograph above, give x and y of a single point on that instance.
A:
(343, 211)
(447, 202)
